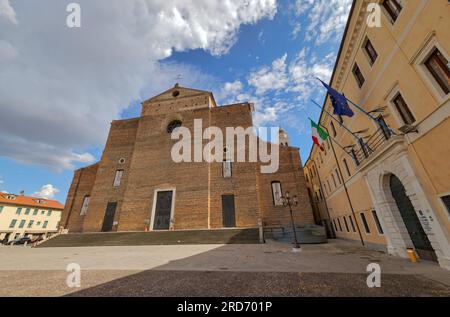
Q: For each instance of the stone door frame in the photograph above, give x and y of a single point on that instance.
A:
(172, 209)
(396, 162)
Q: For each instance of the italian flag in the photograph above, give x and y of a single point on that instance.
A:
(319, 135)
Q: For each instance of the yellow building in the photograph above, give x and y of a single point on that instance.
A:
(393, 189)
(28, 216)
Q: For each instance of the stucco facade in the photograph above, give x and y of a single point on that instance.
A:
(28, 216)
(400, 88)
(197, 191)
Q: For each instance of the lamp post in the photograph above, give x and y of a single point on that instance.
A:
(291, 202)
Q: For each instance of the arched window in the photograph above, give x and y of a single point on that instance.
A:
(173, 125)
(277, 193)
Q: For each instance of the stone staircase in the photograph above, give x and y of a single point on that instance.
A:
(308, 234)
(221, 236)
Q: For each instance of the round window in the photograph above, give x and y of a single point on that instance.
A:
(173, 126)
(122, 161)
(176, 93)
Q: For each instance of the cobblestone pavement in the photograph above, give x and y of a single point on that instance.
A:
(334, 269)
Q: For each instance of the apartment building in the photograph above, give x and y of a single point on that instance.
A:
(22, 216)
(388, 185)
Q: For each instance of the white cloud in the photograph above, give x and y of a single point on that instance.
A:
(270, 78)
(305, 70)
(7, 12)
(296, 78)
(47, 191)
(297, 29)
(326, 18)
(233, 88)
(61, 87)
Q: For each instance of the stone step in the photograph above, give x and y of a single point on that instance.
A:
(221, 236)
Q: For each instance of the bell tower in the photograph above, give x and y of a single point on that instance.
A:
(283, 137)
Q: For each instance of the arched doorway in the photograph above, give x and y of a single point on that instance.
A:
(418, 236)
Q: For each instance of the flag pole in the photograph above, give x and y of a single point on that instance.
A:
(346, 191)
(333, 232)
(332, 117)
(371, 117)
(334, 140)
(354, 104)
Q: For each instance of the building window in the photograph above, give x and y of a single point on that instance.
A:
(347, 168)
(226, 169)
(329, 186)
(49, 213)
(13, 223)
(35, 212)
(173, 126)
(277, 194)
(334, 180)
(403, 109)
(118, 178)
(333, 129)
(30, 224)
(377, 222)
(338, 177)
(358, 75)
(439, 68)
(384, 127)
(85, 205)
(45, 224)
(364, 221)
(352, 223)
(393, 8)
(27, 211)
(334, 223)
(339, 223)
(1, 209)
(321, 158)
(371, 52)
(446, 201)
(22, 223)
(346, 224)
(18, 211)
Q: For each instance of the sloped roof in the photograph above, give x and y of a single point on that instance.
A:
(30, 201)
(184, 92)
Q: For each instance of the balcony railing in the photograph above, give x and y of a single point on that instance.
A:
(365, 149)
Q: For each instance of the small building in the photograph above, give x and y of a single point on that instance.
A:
(33, 217)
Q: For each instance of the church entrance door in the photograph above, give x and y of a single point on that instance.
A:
(163, 210)
(110, 213)
(228, 211)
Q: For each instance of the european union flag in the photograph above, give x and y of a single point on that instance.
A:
(339, 102)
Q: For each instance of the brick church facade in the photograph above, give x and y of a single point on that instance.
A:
(137, 186)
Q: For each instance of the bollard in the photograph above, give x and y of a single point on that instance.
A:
(412, 255)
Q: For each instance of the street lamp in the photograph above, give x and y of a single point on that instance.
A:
(291, 202)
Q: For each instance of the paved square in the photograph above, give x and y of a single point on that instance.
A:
(334, 269)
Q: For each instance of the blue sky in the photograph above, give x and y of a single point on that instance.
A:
(270, 57)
